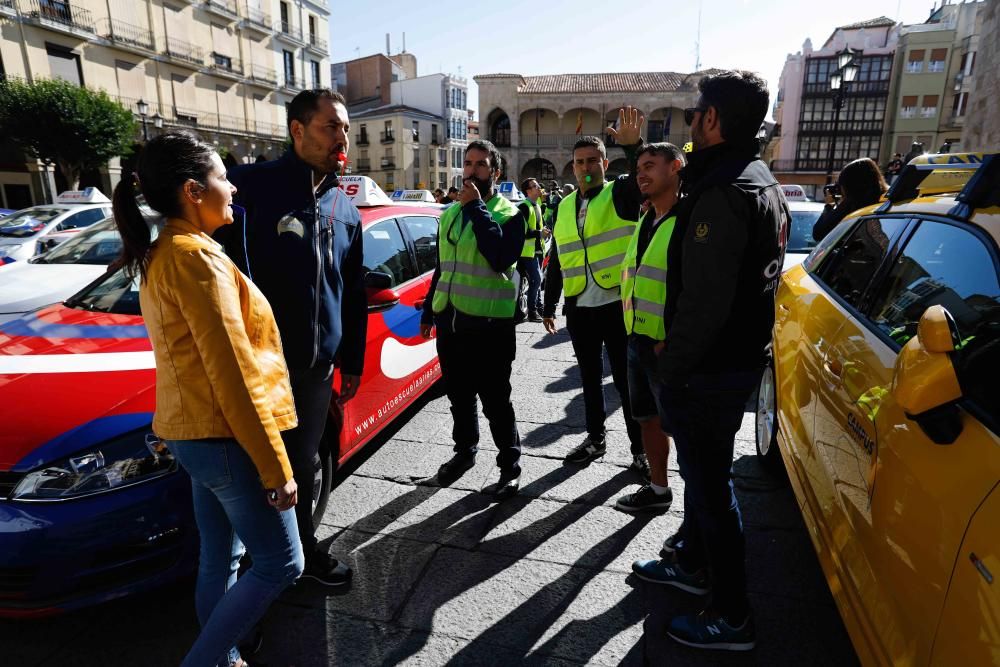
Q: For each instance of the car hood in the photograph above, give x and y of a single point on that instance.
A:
(70, 379)
(25, 286)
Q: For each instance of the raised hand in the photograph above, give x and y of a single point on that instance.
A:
(629, 127)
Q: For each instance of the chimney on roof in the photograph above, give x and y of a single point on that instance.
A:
(388, 51)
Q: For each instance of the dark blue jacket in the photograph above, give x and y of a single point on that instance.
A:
(303, 249)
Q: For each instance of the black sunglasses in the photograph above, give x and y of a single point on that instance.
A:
(690, 112)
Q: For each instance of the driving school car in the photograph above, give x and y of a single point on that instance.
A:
(25, 233)
(92, 506)
(882, 403)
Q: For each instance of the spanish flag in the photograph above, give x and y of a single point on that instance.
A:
(579, 121)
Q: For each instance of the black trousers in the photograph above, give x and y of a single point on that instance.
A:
(312, 389)
(477, 362)
(592, 330)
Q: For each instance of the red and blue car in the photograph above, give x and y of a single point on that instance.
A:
(91, 507)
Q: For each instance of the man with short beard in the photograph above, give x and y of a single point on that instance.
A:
(471, 303)
(300, 243)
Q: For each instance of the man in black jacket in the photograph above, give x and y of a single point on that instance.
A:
(723, 265)
(301, 245)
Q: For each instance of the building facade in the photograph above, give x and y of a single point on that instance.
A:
(444, 96)
(367, 82)
(224, 68)
(805, 106)
(932, 77)
(400, 148)
(535, 120)
(981, 126)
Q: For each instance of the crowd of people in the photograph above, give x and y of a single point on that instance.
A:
(254, 291)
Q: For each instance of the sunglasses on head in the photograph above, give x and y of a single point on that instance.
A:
(690, 112)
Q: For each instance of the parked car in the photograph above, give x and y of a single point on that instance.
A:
(800, 238)
(92, 508)
(59, 273)
(882, 404)
(30, 231)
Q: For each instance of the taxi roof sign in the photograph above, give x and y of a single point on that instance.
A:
(85, 196)
(363, 191)
(794, 193)
(934, 174)
(414, 195)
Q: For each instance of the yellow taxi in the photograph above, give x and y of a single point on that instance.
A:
(883, 402)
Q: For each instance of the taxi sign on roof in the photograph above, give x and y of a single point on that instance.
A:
(363, 191)
(794, 193)
(413, 195)
(85, 196)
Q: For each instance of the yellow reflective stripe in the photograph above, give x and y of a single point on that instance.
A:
(614, 260)
(574, 271)
(570, 247)
(646, 271)
(482, 292)
(610, 235)
(647, 306)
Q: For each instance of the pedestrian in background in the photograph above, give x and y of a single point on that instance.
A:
(592, 231)
(723, 263)
(452, 195)
(644, 297)
(529, 264)
(302, 244)
(859, 184)
(222, 390)
(471, 305)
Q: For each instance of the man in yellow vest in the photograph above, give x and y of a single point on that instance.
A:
(471, 305)
(644, 297)
(529, 264)
(592, 231)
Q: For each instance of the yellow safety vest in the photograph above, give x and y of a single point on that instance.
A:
(602, 248)
(467, 280)
(644, 284)
(534, 223)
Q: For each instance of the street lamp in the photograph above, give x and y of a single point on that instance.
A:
(846, 73)
(158, 121)
(143, 110)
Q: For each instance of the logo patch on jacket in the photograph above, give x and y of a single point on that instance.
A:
(701, 231)
(290, 223)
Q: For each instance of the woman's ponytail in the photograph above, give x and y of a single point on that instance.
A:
(134, 230)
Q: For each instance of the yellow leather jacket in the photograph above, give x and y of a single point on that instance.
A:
(220, 369)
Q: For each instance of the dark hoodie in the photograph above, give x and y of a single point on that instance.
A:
(303, 249)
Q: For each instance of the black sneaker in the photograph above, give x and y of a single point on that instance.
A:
(710, 630)
(592, 447)
(454, 468)
(510, 482)
(672, 545)
(640, 465)
(327, 570)
(534, 317)
(645, 500)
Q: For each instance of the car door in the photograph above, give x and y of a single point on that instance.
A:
(905, 502)
(386, 253)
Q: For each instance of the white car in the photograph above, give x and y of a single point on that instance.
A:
(25, 233)
(60, 273)
(800, 238)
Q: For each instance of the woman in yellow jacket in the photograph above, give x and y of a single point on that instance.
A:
(222, 390)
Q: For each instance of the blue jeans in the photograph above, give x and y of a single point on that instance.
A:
(705, 416)
(528, 266)
(231, 509)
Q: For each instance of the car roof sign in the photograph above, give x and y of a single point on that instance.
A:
(933, 174)
(510, 191)
(85, 196)
(794, 193)
(363, 191)
(413, 195)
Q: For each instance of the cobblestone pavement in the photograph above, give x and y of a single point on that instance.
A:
(446, 576)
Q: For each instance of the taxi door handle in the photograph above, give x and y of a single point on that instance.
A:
(833, 367)
(419, 303)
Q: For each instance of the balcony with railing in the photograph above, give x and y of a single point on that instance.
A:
(223, 8)
(287, 32)
(816, 165)
(225, 65)
(388, 163)
(57, 15)
(262, 76)
(267, 129)
(257, 19)
(387, 137)
(363, 164)
(291, 82)
(126, 35)
(184, 53)
(317, 45)
(362, 139)
(8, 8)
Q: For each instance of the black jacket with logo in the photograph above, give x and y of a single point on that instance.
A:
(723, 264)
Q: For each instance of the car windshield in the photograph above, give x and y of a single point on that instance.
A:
(800, 240)
(101, 244)
(27, 222)
(113, 293)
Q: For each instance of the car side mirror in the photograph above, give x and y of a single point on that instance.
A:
(378, 280)
(925, 384)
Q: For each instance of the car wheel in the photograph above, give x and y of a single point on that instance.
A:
(322, 482)
(767, 421)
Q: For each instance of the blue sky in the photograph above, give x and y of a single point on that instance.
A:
(531, 37)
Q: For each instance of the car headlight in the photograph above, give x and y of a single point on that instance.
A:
(133, 458)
